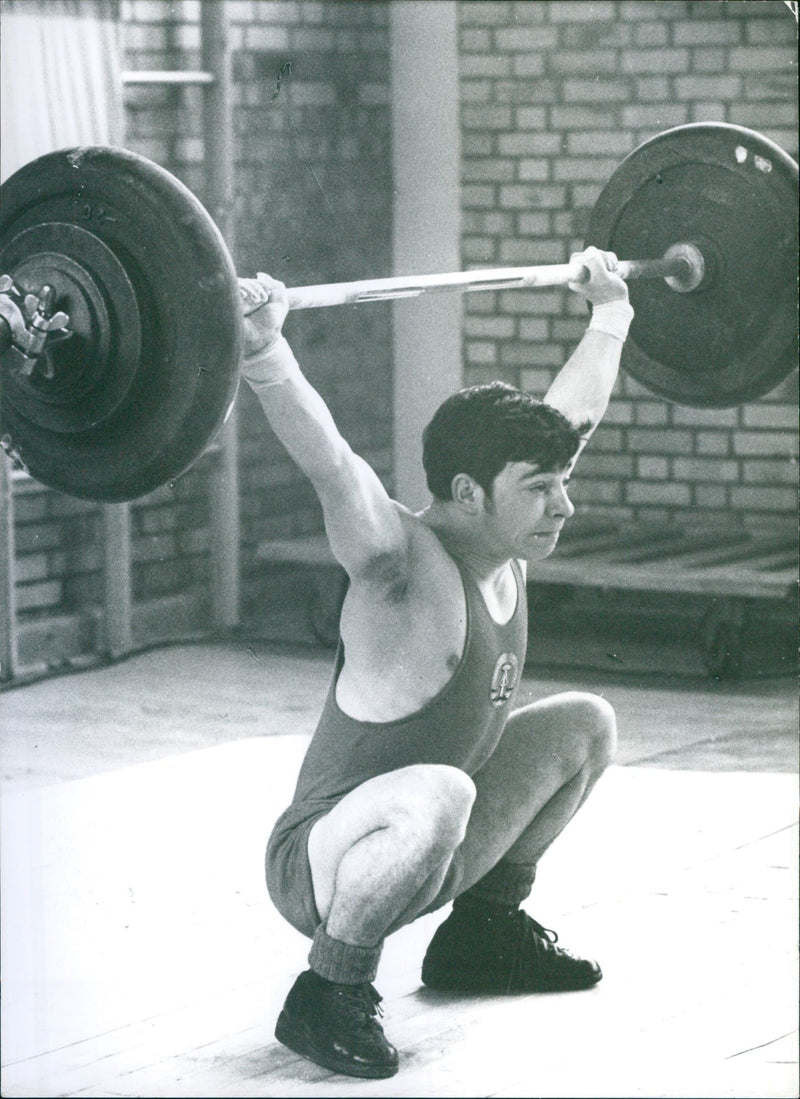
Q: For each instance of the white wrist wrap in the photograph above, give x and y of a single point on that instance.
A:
(612, 317)
(270, 366)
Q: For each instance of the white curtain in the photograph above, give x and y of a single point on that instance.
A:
(60, 78)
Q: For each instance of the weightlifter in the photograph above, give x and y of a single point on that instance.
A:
(423, 783)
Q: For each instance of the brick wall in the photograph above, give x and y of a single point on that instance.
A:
(57, 570)
(313, 201)
(313, 204)
(553, 95)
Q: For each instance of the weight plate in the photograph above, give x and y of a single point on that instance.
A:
(145, 384)
(93, 370)
(733, 193)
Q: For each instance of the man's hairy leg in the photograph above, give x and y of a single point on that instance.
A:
(385, 849)
(550, 757)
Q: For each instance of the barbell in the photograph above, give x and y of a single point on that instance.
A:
(121, 319)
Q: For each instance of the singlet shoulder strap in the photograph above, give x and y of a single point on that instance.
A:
(519, 575)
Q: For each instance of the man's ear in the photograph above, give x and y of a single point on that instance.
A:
(467, 493)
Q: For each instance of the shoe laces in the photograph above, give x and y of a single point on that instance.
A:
(357, 1005)
(532, 929)
(533, 944)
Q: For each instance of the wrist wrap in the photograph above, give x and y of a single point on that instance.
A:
(612, 317)
(270, 366)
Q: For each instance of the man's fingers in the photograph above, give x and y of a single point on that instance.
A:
(611, 261)
(604, 282)
(275, 287)
(594, 259)
(260, 291)
(253, 294)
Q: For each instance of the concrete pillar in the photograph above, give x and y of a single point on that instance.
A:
(220, 158)
(8, 590)
(426, 166)
(118, 580)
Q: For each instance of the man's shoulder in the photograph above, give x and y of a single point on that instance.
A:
(423, 537)
(425, 563)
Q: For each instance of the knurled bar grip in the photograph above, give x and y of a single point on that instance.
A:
(498, 278)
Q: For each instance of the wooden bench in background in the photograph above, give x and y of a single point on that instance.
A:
(733, 566)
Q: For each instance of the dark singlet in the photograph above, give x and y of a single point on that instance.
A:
(460, 726)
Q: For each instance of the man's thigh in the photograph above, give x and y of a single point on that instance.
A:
(543, 747)
(418, 793)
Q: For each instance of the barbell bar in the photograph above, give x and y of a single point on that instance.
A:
(129, 256)
(683, 266)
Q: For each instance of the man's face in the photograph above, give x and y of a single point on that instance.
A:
(527, 509)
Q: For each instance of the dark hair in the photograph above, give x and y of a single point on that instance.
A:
(480, 429)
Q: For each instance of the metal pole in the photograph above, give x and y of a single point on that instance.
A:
(219, 168)
(8, 612)
(118, 594)
(493, 278)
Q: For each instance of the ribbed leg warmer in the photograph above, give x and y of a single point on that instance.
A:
(507, 884)
(343, 963)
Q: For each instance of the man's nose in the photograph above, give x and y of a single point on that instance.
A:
(561, 505)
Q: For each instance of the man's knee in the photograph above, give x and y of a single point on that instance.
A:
(595, 722)
(433, 805)
(575, 728)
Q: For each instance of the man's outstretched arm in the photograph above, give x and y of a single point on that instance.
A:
(582, 388)
(363, 524)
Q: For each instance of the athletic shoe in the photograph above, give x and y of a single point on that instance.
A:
(484, 947)
(335, 1025)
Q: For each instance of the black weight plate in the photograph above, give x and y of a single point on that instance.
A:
(734, 193)
(92, 372)
(160, 394)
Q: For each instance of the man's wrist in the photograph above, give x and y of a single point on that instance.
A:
(612, 317)
(270, 366)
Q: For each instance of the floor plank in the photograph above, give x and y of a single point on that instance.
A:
(141, 956)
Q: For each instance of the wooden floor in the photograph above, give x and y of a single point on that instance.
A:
(141, 956)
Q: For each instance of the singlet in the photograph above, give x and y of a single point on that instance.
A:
(460, 726)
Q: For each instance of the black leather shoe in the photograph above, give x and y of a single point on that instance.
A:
(335, 1026)
(483, 947)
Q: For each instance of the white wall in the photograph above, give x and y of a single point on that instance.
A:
(427, 331)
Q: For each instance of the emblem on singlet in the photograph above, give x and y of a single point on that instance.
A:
(504, 679)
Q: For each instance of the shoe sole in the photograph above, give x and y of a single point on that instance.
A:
(299, 1041)
(478, 986)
